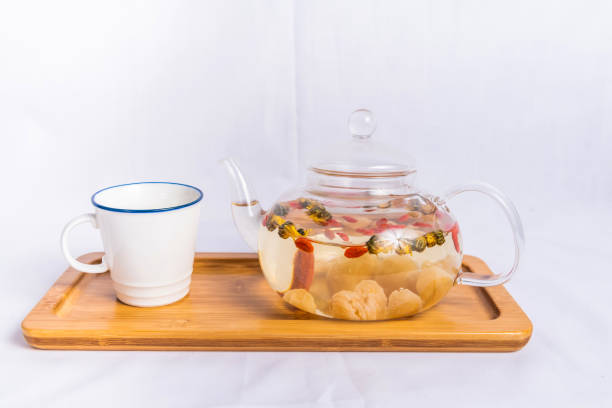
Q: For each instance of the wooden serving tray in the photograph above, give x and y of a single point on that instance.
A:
(231, 307)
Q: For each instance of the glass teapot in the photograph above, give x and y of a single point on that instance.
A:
(358, 241)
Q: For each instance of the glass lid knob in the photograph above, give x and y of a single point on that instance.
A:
(363, 157)
(362, 124)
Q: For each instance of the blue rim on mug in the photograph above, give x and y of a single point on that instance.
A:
(153, 210)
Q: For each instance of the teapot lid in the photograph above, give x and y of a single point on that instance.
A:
(361, 156)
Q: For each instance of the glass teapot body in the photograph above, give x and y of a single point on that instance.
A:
(358, 241)
(375, 251)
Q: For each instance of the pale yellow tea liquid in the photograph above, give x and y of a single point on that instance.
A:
(325, 275)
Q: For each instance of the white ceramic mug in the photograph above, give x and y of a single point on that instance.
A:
(148, 232)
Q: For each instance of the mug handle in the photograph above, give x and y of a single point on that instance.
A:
(80, 266)
(475, 279)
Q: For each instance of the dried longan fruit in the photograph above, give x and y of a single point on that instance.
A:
(345, 273)
(397, 272)
(374, 298)
(432, 285)
(301, 299)
(451, 264)
(403, 302)
(367, 302)
(348, 305)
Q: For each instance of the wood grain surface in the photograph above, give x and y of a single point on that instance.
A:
(231, 307)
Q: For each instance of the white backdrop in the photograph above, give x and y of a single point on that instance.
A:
(518, 94)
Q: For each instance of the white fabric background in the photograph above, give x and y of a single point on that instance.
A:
(517, 93)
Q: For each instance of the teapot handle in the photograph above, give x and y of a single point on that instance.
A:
(475, 279)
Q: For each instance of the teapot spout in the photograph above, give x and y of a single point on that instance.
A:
(246, 210)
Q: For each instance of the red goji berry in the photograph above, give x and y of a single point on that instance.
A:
(333, 223)
(444, 220)
(304, 244)
(294, 204)
(343, 236)
(455, 233)
(329, 234)
(405, 218)
(355, 252)
(348, 218)
(382, 222)
(264, 222)
(422, 225)
(365, 231)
